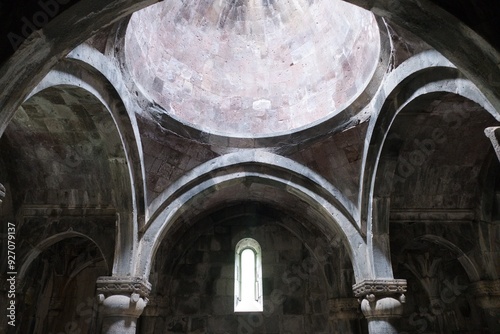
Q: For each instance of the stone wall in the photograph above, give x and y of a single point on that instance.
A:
(193, 281)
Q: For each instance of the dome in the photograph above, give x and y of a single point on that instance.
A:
(252, 68)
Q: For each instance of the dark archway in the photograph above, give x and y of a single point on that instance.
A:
(57, 293)
(304, 274)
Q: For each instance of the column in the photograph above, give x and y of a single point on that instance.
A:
(487, 296)
(122, 300)
(344, 315)
(381, 303)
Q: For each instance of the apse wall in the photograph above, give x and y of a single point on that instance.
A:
(193, 289)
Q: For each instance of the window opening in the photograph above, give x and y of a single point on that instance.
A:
(248, 276)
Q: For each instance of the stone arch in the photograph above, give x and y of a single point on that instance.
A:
(77, 23)
(412, 76)
(293, 250)
(47, 242)
(76, 74)
(256, 167)
(432, 23)
(470, 52)
(58, 275)
(424, 74)
(465, 261)
(400, 14)
(440, 278)
(322, 248)
(426, 20)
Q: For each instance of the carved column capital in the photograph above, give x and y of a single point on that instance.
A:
(380, 287)
(123, 296)
(123, 285)
(381, 298)
(486, 293)
(122, 301)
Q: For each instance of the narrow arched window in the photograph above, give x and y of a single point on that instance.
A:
(248, 276)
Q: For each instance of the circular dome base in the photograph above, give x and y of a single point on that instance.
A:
(252, 68)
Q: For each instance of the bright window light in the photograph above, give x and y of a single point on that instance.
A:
(248, 277)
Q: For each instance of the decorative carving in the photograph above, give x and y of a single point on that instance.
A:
(134, 298)
(118, 308)
(122, 301)
(381, 298)
(379, 287)
(381, 307)
(100, 298)
(114, 285)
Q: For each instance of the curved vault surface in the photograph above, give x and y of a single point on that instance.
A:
(252, 68)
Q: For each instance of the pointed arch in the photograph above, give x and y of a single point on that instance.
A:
(199, 189)
(75, 74)
(426, 73)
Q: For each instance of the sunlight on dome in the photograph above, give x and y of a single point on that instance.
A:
(251, 68)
